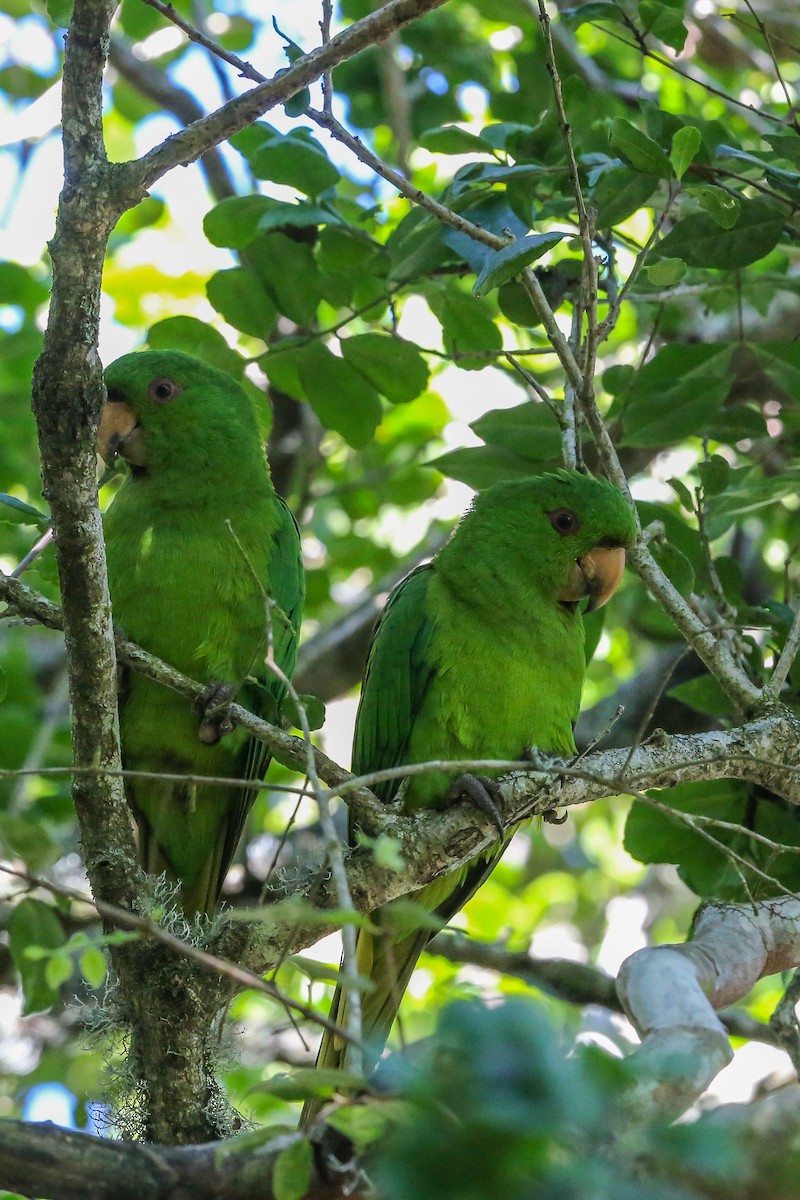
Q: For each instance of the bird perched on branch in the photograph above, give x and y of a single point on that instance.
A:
(478, 655)
(205, 571)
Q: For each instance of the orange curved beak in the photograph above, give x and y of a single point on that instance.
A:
(596, 575)
(119, 434)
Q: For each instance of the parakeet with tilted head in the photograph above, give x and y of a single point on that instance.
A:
(205, 571)
(478, 655)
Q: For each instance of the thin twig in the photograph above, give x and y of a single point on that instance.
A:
(333, 847)
(126, 919)
(772, 688)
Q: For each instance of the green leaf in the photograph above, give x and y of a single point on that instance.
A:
(639, 150)
(747, 493)
(313, 707)
(466, 325)
(34, 924)
(682, 492)
(291, 1173)
(19, 286)
(342, 399)
(700, 242)
(280, 215)
(240, 297)
(512, 259)
(481, 466)
(676, 394)
(416, 247)
(720, 205)
(685, 144)
(664, 21)
(515, 305)
(714, 474)
(386, 852)
(451, 139)
(234, 222)
(314, 970)
(93, 966)
(785, 145)
(22, 837)
(619, 193)
(595, 10)
(310, 1083)
(197, 338)
(363, 1124)
(143, 216)
(60, 12)
(57, 970)
(529, 431)
(704, 695)
(492, 212)
(288, 271)
(17, 512)
(655, 836)
(250, 139)
(666, 272)
(675, 565)
(395, 367)
(296, 159)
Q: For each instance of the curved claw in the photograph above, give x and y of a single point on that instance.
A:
(213, 708)
(483, 792)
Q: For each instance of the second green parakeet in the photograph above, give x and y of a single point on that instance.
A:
(478, 655)
(205, 571)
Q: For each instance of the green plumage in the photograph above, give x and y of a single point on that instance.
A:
(189, 591)
(477, 655)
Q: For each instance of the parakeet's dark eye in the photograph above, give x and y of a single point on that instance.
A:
(564, 521)
(163, 390)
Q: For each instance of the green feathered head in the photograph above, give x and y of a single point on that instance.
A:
(167, 410)
(564, 533)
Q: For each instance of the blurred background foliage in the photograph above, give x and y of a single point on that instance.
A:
(388, 388)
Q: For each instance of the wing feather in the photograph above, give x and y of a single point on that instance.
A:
(398, 676)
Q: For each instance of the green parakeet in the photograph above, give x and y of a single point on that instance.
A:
(478, 654)
(205, 571)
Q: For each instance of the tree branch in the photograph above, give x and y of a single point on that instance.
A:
(200, 136)
(61, 1164)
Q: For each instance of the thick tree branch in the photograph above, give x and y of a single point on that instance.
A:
(67, 391)
(152, 82)
(43, 1160)
(573, 982)
(671, 993)
(201, 135)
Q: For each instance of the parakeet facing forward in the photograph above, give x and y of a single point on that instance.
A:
(478, 654)
(205, 571)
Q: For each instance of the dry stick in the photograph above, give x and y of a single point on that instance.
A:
(327, 78)
(286, 747)
(572, 982)
(613, 314)
(126, 919)
(762, 29)
(783, 666)
(187, 145)
(585, 222)
(333, 847)
(717, 657)
(762, 118)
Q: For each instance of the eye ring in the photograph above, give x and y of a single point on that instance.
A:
(564, 521)
(163, 390)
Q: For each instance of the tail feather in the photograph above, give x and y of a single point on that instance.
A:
(389, 966)
(201, 893)
(388, 959)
